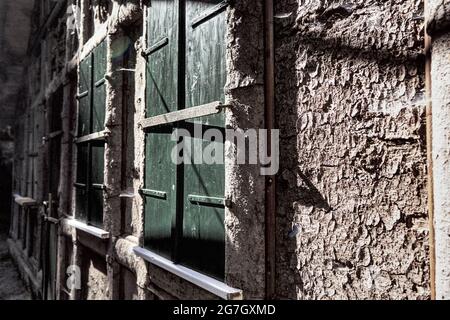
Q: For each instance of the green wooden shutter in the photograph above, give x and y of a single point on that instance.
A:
(162, 96)
(99, 88)
(203, 242)
(81, 183)
(91, 119)
(162, 56)
(84, 97)
(96, 183)
(160, 194)
(184, 208)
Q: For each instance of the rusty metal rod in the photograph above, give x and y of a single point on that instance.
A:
(270, 199)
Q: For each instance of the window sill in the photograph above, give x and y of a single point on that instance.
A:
(96, 232)
(207, 283)
(24, 201)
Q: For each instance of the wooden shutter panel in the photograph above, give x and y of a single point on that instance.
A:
(162, 57)
(99, 88)
(81, 183)
(160, 193)
(203, 242)
(84, 96)
(96, 183)
(162, 96)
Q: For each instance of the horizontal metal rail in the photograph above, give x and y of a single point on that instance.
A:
(53, 135)
(204, 200)
(158, 45)
(79, 185)
(153, 193)
(185, 114)
(208, 14)
(91, 137)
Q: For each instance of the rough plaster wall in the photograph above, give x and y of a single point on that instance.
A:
(351, 219)
(244, 221)
(95, 283)
(440, 71)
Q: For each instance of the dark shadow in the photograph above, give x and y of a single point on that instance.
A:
(6, 182)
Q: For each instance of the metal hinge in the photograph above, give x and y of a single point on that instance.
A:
(50, 219)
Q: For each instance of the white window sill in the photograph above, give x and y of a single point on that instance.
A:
(212, 285)
(24, 201)
(97, 232)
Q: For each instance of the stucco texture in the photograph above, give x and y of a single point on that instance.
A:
(352, 219)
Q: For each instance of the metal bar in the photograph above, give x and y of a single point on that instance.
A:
(208, 14)
(91, 137)
(185, 114)
(153, 193)
(54, 134)
(429, 142)
(79, 185)
(203, 200)
(51, 220)
(82, 95)
(98, 186)
(100, 82)
(270, 192)
(158, 45)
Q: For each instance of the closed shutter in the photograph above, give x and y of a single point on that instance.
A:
(91, 119)
(81, 183)
(203, 242)
(96, 183)
(84, 97)
(160, 191)
(162, 56)
(184, 204)
(99, 88)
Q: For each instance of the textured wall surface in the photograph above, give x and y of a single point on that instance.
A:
(94, 283)
(440, 72)
(14, 34)
(244, 221)
(352, 218)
